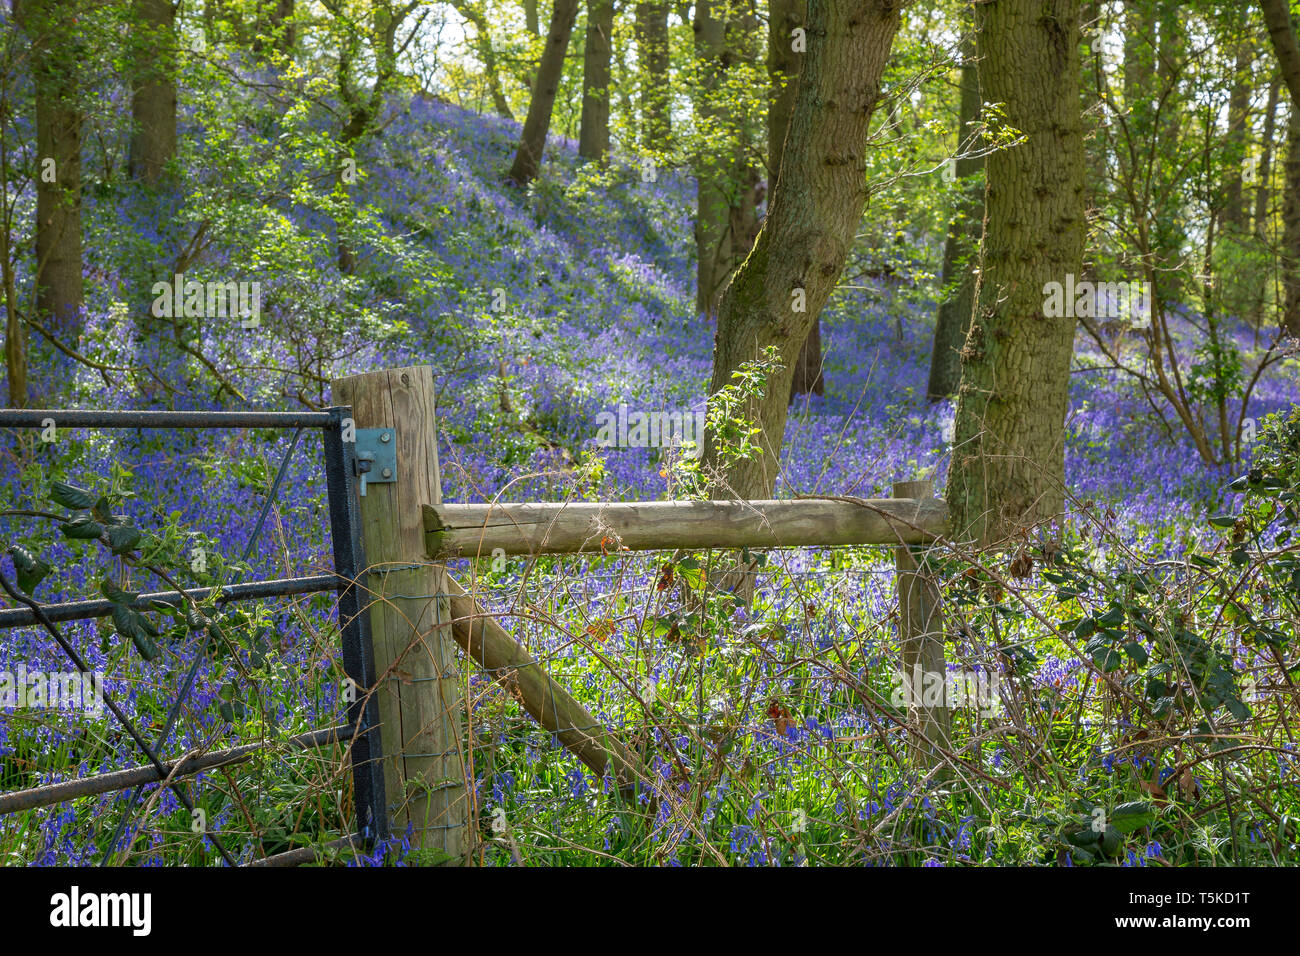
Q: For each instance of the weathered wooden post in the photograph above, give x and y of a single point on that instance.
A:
(921, 638)
(418, 686)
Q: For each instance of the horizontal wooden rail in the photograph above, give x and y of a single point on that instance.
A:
(567, 528)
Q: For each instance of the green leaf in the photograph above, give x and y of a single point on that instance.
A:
(82, 528)
(31, 568)
(133, 625)
(123, 539)
(1136, 651)
(1112, 618)
(1223, 521)
(1107, 658)
(70, 496)
(1131, 816)
(110, 589)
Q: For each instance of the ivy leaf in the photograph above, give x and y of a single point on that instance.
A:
(31, 568)
(70, 496)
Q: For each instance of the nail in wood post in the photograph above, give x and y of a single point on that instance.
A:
(418, 686)
(921, 638)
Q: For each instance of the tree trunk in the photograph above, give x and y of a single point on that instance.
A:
(953, 321)
(1281, 33)
(1234, 208)
(783, 64)
(530, 18)
(711, 201)
(1264, 175)
(532, 141)
(487, 56)
(593, 133)
(728, 186)
(15, 330)
(279, 27)
(813, 216)
(652, 65)
(808, 373)
(1291, 231)
(153, 96)
(58, 151)
(784, 58)
(1008, 467)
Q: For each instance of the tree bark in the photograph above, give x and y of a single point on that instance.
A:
(813, 216)
(784, 58)
(530, 18)
(1281, 33)
(1234, 207)
(1291, 231)
(1264, 174)
(153, 95)
(652, 65)
(593, 131)
(1008, 468)
(279, 26)
(58, 151)
(953, 321)
(487, 55)
(532, 141)
(727, 182)
(710, 186)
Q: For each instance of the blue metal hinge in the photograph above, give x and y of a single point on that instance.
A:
(376, 456)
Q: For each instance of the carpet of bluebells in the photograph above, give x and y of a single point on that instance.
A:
(539, 312)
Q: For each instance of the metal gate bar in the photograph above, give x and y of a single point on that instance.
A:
(348, 579)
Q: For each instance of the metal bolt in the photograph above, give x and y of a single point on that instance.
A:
(388, 472)
(385, 436)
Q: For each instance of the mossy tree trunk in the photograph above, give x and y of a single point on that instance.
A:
(593, 131)
(1008, 467)
(153, 91)
(50, 29)
(813, 216)
(652, 65)
(953, 321)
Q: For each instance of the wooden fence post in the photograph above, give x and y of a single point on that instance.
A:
(418, 685)
(921, 638)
